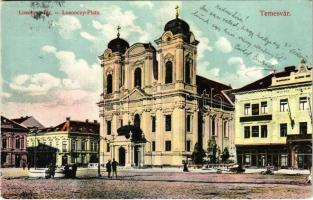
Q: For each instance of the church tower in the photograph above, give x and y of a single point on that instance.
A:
(177, 49)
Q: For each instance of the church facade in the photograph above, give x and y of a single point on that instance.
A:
(154, 107)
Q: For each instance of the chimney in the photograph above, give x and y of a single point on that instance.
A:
(87, 120)
(68, 118)
(290, 68)
(95, 121)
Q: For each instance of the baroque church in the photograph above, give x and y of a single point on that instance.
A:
(154, 108)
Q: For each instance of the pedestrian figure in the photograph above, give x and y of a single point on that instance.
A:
(28, 165)
(114, 167)
(74, 169)
(185, 167)
(52, 170)
(66, 170)
(24, 165)
(108, 166)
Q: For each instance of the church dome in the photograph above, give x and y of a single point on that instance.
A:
(177, 26)
(118, 44)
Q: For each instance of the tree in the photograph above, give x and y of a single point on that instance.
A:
(198, 154)
(225, 154)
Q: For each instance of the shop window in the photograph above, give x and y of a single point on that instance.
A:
(247, 159)
(284, 160)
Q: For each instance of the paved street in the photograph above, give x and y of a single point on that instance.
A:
(145, 184)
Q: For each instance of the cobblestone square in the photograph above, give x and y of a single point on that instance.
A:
(169, 185)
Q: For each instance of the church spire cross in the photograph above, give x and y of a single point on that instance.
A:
(118, 31)
(177, 11)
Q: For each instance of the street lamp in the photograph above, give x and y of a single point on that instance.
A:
(100, 138)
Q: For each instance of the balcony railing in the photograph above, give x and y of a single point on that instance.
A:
(255, 118)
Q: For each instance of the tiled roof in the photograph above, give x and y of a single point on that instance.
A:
(266, 81)
(10, 124)
(217, 88)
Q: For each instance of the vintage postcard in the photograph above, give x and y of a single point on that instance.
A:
(156, 99)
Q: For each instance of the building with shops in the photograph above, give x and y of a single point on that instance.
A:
(13, 143)
(274, 119)
(154, 108)
(67, 143)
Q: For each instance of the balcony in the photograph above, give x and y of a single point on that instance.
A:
(299, 137)
(255, 118)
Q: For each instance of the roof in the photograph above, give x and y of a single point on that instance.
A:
(29, 122)
(7, 124)
(118, 45)
(212, 86)
(266, 81)
(74, 126)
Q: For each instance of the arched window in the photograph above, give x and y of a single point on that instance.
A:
(213, 126)
(109, 84)
(137, 121)
(137, 77)
(188, 64)
(168, 72)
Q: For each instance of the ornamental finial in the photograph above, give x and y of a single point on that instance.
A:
(118, 31)
(177, 11)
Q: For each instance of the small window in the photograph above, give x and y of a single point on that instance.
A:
(303, 128)
(168, 72)
(121, 122)
(83, 146)
(188, 145)
(137, 77)
(255, 109)
(283, 130)
(247, 108)
(108, 147)
(109, 128)
(247, 131)
(168, 122)
(73, 145)
(255, 131)
(263, 131)
(188, 123)
(263, 107)
(168, 146)
(225, 128)
(303, 103)
(153, 145)
(64, 146)
(153, 120)
(283, 105)
(109, 84)
(17, 143)
(213, 126)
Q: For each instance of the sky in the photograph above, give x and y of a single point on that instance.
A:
(49, 64)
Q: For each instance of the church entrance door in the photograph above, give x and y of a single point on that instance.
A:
(121, 156)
